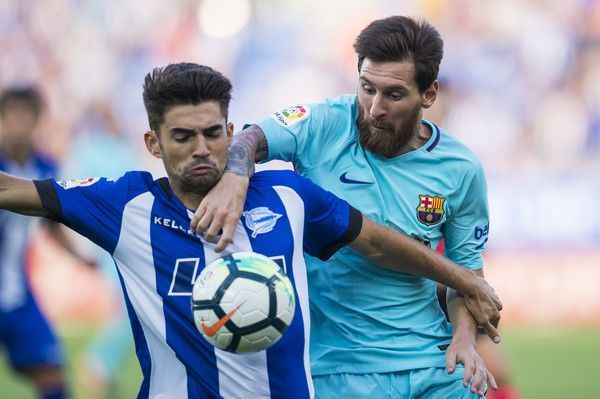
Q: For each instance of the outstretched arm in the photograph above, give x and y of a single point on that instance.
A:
(396, 251)
(20, 196)
(462, 348)
(221, 208)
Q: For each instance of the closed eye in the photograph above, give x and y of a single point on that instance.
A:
(367, 88)
(182, 138)
(396, 96)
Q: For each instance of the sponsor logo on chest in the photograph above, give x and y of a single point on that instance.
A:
(174, 225)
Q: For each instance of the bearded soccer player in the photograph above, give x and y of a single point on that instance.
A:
(144, 224)
(375, 332)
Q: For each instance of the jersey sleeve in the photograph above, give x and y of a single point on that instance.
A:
(329, 223)
(306, 134)
(466, 230)
(92, 207)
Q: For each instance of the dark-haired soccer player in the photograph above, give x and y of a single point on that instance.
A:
(144, 224)
(377, 333)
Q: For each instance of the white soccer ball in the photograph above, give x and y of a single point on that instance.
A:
(243, 302)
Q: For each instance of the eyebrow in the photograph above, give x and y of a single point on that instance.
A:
(213, 128)
(183, 130)
(387, 88)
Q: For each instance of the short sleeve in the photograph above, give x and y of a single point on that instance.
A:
(92, 207)
(309, 134)
(466, 230)
(330, 222)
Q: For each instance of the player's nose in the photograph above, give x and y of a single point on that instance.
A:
(200, 147)
(377, 109)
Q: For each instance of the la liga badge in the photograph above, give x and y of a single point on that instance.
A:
(292, 115)
(67, 184)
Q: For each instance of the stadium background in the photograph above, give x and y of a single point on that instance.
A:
(520, 84)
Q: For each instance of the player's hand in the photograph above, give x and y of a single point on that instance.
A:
(485, 306)
(221, 209)
(462, 351)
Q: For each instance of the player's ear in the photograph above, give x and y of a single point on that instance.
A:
(152, 144)
(229, 133)
(430, 94)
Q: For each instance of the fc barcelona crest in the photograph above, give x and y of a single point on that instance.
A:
(430, 210)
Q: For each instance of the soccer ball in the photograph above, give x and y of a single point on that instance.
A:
(243, 302)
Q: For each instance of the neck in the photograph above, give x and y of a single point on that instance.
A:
(419, 136)
(189, 199)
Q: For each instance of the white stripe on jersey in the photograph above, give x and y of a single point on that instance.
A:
(294, 208)
(240, 376)
(12, 251)
(133, 255)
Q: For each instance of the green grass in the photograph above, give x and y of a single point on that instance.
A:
(75, 340)
(548, 363)
(555, 364)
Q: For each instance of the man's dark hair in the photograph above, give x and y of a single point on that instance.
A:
(181, 84)
(399, 38)
(27, 95)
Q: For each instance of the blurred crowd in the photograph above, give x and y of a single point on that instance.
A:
(520, 80)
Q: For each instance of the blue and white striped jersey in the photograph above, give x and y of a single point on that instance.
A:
(14, 234)
(146, 229)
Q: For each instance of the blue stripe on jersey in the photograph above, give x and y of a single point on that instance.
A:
(141, 345)
(438, 135)
(293, 380)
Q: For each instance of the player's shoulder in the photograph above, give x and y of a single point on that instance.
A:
(139, 179)
(344, 104)
(323, 112)
(451, 151)
(129, 184)
(270, 178)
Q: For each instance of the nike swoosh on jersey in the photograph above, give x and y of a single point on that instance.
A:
(212, 330)
(344, 179)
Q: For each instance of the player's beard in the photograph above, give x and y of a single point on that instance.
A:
(390, 141)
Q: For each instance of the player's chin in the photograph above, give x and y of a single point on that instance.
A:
(203, 182)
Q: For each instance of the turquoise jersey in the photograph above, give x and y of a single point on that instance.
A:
(367, 319)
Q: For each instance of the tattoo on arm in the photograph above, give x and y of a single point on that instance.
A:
(248, 146)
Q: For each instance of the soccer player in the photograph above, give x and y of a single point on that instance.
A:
(375, 332)
(144, 224)
(25, 333)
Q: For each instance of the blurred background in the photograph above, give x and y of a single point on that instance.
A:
(520, 85)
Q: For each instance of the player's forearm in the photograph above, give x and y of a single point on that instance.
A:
(20, 196)
(464, 326)
(248, 146)
(396, 251)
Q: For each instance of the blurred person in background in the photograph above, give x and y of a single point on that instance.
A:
(31, 345)
(101, 149)
(376, 333)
